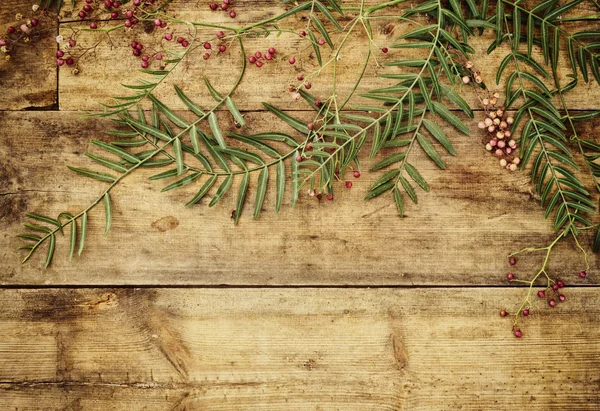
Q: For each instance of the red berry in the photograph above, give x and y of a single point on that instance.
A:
(268, 56)
(137, 2)
(541, 294)
(518, 333)
(134, 44)
(299, 159)
(157, 22)
(87, 8)
(116, 4)
(11, 29)
(330, 197)
(348, 184)
(129, 14)
(300, 77)
(258, 54)
(222, 49)
(108, 4)
(555, 287)
(252, 59)
(303, 33)
(35, 22)
(384, 50)
(318, 103)
(206, 56)
(213, 5)
(552, 303)
(185, 43)
(82, 14)
(136, 52)
(307, 85)
(70, 61)
(526, 312)
(180, 40)
(207, 46)
(310, 126)
(308, 147)
(562, 297)
(503, 313)
(582, 274)
(159, 56)
(512, 261)
(232, 14)
(139, 47)
(272, 50)
(510, 276)
(292, 60)
(168, 37)
(60, 53)
(220, 34)
(72, 43)
(560, 283)
(224, 6)
(145, 58)
(145, 64)
(259, 64)
(321, 42)
(60, 62)
(114, 15)
(93, 26)
(356, 174)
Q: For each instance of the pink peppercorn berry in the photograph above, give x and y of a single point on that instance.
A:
(259, 64)
(526, 312)
(512, 261)
(510, 276)
(168, 37)
(232, 14)
(220, 34)
(292, 60)
(503, 313)
(93, 26)
(384, 50)
(560, 283)
(562, 297)
(356, 174)
(541, 293)
(518, 333)
(222, 49)
(330, 197)
(213, 5)
(272, 50)
(582, 274)
(552, 303)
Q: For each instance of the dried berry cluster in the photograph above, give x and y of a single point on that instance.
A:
(224, 7)
(23, 31)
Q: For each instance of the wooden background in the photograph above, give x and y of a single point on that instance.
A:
(328, 306)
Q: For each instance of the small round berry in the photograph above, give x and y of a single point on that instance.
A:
(93, 26)
(518, 333)
(136, 52)
(503, 313)
(512, 261)
(139, 47)
(384, 50)
(560, 283)
(357, 174)
(258, 54)
(158, 56)
(541, 293)
(562, 297)
(252, 59)
(59, 62)
(207, 46)
(128, 23)
(116, 4)
(145, 58)
(466, 79)
(180, 40)
(213, 5)
(299, 159)
(34, 22)
(206, 56)
(145, 64)
(185, 43)
(82, 14)
(137, 2)
(308, 147)
(108, 4)
(526, 312)
(303, 33)
(510, 276)
(552, 303)
(582, 274)
(272, 50)
(268, 56)
(114, 15)
(70, 61)
(318, 103)
(555, 287)
(87, 8)
(307, 85)
(222, 49)
(224, 6)
(220, 34)
(157, 22)
(259, 64)
(11, 29)
(60, 53)
(310, 126)
(168, 37)
(292, 60)
(300, 77)
(348, 184)
(129, 14)
(232, 14)
(321, 42)
(330, 197)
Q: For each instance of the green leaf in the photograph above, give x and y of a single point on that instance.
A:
(116, 150)
(145, 128)
(108, 212)
(377, 191)
(189, 103)
(241, 197)
(194, 139)
(182, 182)
(216, 130)
(328, 14)
(280, 183)
(416, 176)
(291, 121)
(51, 247)
(261, 190)
(203, 190)
(439, 135)
(235, 112)
(409, 189)
(223, 188)
(295, 176)
(108, 163)
(84, 220)
(92, 174)
(430, 151)
(178, 156)
(398, 200)
(319, 26)
(316, 48)
(178, 121)
(394, 158)
(451, 118)
(45, 219)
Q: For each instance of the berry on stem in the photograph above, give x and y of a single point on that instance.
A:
(357, 174)
(292, 60)
(526, 312)
(582, 274)
(510, 276)
(512, 261)
(541, 293)
(518, 333)
(552, 303)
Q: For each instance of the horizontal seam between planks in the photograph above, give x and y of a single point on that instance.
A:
(249, 286)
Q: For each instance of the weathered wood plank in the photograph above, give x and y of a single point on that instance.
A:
(460, 233)
(29, 79)
(271, 82)
(298, 349)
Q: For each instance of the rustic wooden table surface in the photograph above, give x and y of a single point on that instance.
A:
(332, 306)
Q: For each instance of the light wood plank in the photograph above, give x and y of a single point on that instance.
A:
(271, 82)
(29, 79)
(460, 233)
(302, 349)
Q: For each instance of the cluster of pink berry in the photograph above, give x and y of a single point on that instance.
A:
(259, 58)
(329, 196)
(146, 59)
(225, 7)
(500, 143)
(61, 59)
(552, 294)
(95, 9)
(22, 32)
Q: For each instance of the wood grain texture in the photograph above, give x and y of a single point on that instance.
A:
(271, 82)
(460, 233)
(30, 78)
(336, 349)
